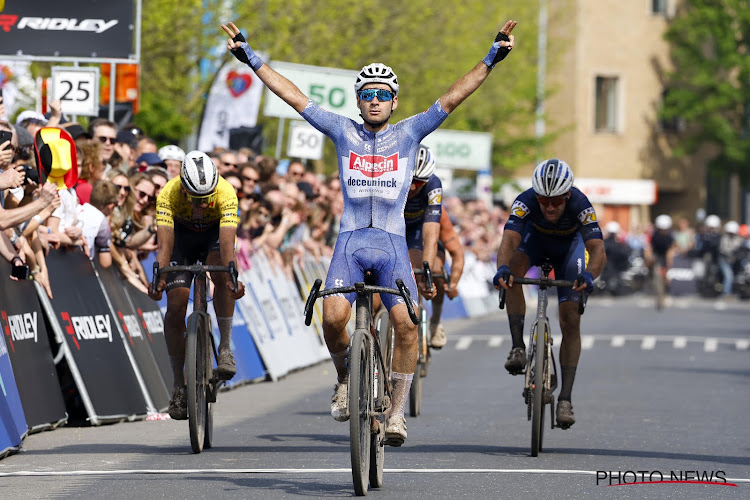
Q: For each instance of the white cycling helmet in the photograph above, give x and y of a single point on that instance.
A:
(731, 227)
(198, 174)
(171, 152)
(377, 73)
(612, 227)
(425, 164)
(712, 222)
(552, 178)
(663, 222)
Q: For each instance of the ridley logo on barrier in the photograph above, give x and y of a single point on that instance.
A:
(7, 21)
(152, 321)
(87, 327)
(20, 327)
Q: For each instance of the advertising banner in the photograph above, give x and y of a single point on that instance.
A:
(135, 336)
(152, 323)
(249, 365)
(81, 29)
(96, 356)
(233, 102)
(25, 332)
(12, 420)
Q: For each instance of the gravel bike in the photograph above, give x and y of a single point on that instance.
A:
(369, 386)
(424, 357)
(540, 376)
(200, 351)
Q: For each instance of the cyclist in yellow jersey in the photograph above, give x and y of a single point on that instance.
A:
(196, 217)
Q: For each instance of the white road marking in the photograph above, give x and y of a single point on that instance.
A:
(710, 345)
(495, 341)
(648, 343)
(117, 472)
(463, 343)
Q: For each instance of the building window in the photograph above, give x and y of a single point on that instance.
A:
(659, 6)
(606, 104)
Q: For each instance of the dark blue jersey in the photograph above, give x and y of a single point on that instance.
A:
(578, 216)
(426, 206)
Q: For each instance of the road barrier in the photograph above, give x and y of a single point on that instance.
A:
(96, 350)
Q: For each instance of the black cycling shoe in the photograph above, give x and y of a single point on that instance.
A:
(225, 369)
(564, 415)
(516, 361)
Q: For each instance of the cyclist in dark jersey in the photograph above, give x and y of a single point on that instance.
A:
(552, 219)
(376, 164)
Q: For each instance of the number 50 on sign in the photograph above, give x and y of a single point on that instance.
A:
(77, 89)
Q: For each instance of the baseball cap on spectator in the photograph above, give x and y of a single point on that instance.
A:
(33, 115)
(150, 159)
(75, 130)
(126, 136)
(307, 188)
(171, 152)
(24, 136)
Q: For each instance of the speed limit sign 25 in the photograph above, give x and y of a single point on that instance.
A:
(77, 89)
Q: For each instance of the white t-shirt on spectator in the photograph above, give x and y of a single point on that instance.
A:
(95, 229)
(68, 210)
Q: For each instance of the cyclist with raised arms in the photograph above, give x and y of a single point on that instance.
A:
(376, 163)
(552, 219)
(196, 217)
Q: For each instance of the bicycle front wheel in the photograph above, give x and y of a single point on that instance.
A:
(196, 351)
(537, 410)
(360, 406)
(415, 393)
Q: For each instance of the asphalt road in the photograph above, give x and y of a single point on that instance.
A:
(656, 393)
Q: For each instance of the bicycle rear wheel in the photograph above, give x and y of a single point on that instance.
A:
(196, 373)
(537, 410)
(360, 406)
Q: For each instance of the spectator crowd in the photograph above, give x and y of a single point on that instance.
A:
(285, 209)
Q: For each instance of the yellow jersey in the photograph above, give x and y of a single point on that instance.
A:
(173, 205)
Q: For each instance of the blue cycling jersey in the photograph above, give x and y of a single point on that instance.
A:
(578, 216)
(375, 168)
(425, 206)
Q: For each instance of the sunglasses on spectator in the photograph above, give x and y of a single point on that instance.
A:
(123, 186)
(105, 140)
(229, 164)
(249, 179)
(555, 201)
(369, 94)
(141, 194)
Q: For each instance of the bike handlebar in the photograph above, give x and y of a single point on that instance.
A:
(545, 282)
(194, 269)
(360, 289)
(442, 276)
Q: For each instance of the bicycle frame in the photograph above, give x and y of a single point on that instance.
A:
(202, 385)
(540, 379)
(369, 394)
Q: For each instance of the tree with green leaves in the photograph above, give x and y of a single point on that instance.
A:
(709, 89)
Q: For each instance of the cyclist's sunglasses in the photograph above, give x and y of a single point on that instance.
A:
(555, 201)
(200, 200)
(369, 94)
(418, 183)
